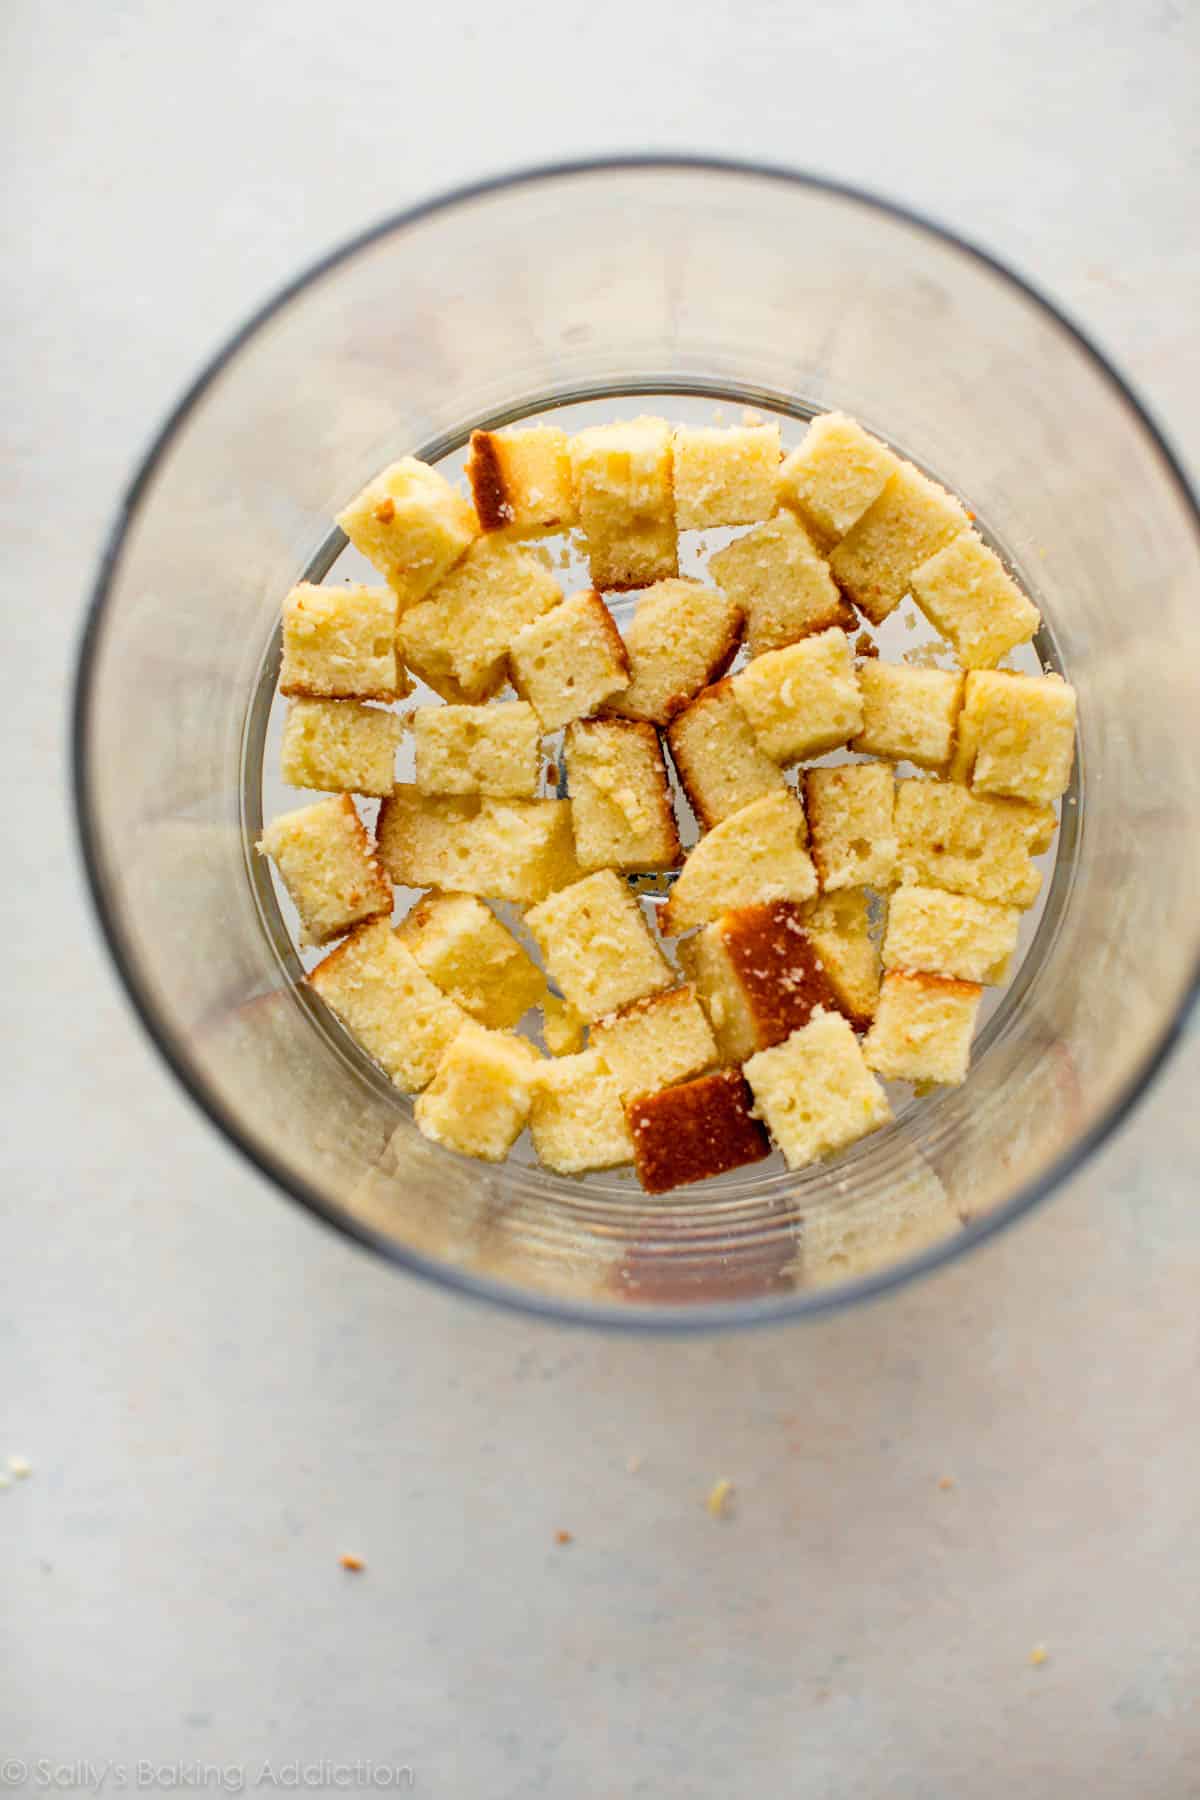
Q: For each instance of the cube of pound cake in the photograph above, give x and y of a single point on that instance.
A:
(340, 644)
(834, 474)
(622, 480)
(969, 597)
(620, 798)
(939, 933)
(970, 843)
(563, 1029)
(340, 747)
(466, 951)
(782, 583)
(839, 926)
(479, 1099)
(757, 854)
(577, 1119)
(688, 1133)
(457, 639)
(518, 850)
(521, 480)
(477, 750)
(867, 1234)
(759, 976)
(682, 636)
(568, 663)
(803, 700)
(923, 1028)
(655, 1042)
(815, 1091)
(912, 518)
(909, 715)
(411, 525)
(597, 946)
(720, 763)
(328, 866)
(725, 476)
(1016, 735)
(388, 1004)
(851, 824)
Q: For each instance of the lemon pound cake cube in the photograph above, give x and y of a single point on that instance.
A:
(1018, 735)
(466, 951)
(577, 1119)
(457, 640)
(691, 1132)
(682, 636)
(340, 747)
(912, 518)
(909, 715)
(757, 854)
(622, 480)
(568, 663)
(759, 976)
(477, 750)
(521, 480)
(656, 1042)
(972, 844)
(563, 1030)
(839, 926)
(518, 850)
(388, 1004)
(940, 933)
(597, 946)
(969, 597)
(720, 763)
(815, 1091)
(725, 476)
(620, 798)
(851, 825)
(923, 1028)
(340, 644)
(411, 525)
(782, 583)
(803, 700)
(328, 866)
(834, 474)
(478, 1101)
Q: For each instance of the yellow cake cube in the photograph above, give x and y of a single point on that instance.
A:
(725, 477)
(971, 844)
(340, 643)
(388, 1004)
(411, 525)
(563, 1029)
(834, 474)
(620, 799)
(457, 639)
(923, 1028)
(839, 927)
(328, 866)
(912, 518)
(969, 597)
(477, 750)
(803, 700)
(814, 1092)
(1017, 735)
(521, 480)
(518, 850)
(622, 480)
(719, 761)
(568, 663)
(340, 747)
(781, 582)
(578, 1119)
(597, 946)
(682, 636)
(758, 974)
(757, 854)
(478, 1101)
(655, 1042)
(851, 825)
(908, 714)
(939, 933)
(466, 951)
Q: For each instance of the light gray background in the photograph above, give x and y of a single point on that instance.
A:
(218, 1396)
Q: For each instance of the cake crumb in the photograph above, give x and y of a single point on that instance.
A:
(946, 1483)
(354, 1564)
(634, 1464)
(751, 416)
(865, 645)
(720, 1498)
(1038, 1655)
(19, 1467)
(564, 1537)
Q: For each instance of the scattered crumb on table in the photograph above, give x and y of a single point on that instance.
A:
(19, 1467)
(634, 1464)
(1038, 1655)
(720, 1497)
(354, 1563)
(946, 1483)
(564, 1537)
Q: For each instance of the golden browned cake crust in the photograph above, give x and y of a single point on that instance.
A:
(688, 1133)
(487, 482)
(776, 967)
